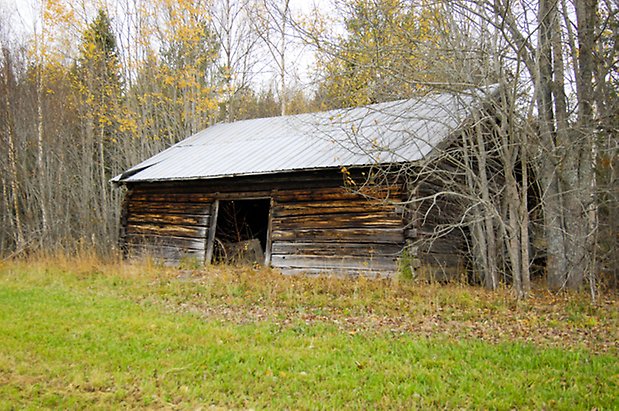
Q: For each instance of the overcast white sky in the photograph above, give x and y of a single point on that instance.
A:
(20, 13)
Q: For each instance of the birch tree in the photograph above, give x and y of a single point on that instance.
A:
(272, 23)
(238, 60)
(545, 55)
(8, 90)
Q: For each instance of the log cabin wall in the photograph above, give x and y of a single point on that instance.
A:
(335, 231)
(164, 224)
(316, 225)
(437, 257)
(313, 224)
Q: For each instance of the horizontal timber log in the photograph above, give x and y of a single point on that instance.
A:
(171, 197)
(335, 249)
(163, 230)
(352, 235)
(334, 207)
(339, 221)
(178, 242)
(337, 272)
(327, 262)
(170, 254)
(174, 219)
(172, 208)
(326, 194)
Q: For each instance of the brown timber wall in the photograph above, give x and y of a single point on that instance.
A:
(317, 225)
(171, 226)
(439, 257)
(336, 231)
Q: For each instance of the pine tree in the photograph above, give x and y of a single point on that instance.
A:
(98, 86)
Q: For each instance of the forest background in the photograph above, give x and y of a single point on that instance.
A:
(93, 87)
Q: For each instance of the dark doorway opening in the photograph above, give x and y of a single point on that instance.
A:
(242, 231)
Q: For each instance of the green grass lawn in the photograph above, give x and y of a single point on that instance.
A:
(127, 336)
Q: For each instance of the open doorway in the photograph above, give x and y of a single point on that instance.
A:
(241, 231)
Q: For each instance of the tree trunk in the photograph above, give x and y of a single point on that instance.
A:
(103, 184)
(43, 184)
(19, 234)
(282, 56)
(586, 14)
(523, 212)
(552, 198)
(491, 274)
(483, 238)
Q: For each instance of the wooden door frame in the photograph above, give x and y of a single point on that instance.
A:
(210, 242)
(212, 229)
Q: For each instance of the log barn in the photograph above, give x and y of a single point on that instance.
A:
(309, 193)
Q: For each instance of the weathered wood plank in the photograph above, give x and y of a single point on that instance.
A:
(336, 249)
(328, 262)
(319, 204)
(174, 219)
(171, 254)
(178, 242)
(269, 241)
(167, 249)
(201, 191)
(337, 272)
(244, 195)
(339, 221)
(196, 197)
(164, 229)
(327, 194)
(171, 197)
(360, 235)
(212, 231)
(136, 206)
(332, 207)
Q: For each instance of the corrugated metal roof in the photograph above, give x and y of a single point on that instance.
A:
(392, 132)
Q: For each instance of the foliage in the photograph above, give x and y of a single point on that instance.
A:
(98, 84)
(81, 334)
(383, 54)
(98, 92)
(94, 91)
(406, 263)
(188, 55)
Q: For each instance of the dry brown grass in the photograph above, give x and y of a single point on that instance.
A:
(246, 294)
